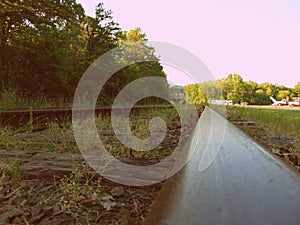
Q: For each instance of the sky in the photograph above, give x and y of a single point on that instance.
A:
(258, 39)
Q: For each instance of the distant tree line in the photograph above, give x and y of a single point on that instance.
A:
(234, 88)
(46, 45)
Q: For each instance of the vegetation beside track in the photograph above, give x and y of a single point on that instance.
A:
(80, 197)
(277, 130)
(276, 121)
(58, 137)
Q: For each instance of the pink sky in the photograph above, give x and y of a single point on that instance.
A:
(258, 39)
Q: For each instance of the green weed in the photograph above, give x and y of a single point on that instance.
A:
(274, 120)
(11, 99)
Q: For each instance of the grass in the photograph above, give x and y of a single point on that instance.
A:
(5, 174)
(279, 121)
(56, 138)
(60, 138)
(139, 124)
(11, 99)
(274, 120)
(9, 170)
(80, 184)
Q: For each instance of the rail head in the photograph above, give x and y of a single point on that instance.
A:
(244, 185)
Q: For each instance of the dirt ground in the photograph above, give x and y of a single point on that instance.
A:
(59, 188)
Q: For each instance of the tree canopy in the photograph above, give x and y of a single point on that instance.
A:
(236, 89)
(46, 45)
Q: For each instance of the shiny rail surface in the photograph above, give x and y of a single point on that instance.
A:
(244, 185)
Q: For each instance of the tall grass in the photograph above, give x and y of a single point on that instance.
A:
(11, 99)
(279, 121)
(275, 121)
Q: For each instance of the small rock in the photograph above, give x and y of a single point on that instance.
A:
(36, 210)
(9, 215)
(293, 159)
(105, 196)
(286, 156)
(23, 202)
(81, 198)
(17, 220)
(57, 210)
(47, 210)
(45, 189)
(4, 218)
(94, 195)
(36, 219)
(107, 204)
(276, 151)
(117, 191)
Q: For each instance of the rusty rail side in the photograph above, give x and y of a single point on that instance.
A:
(244, 185)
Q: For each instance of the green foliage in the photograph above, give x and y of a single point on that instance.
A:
(45, 46)
(9, 98)
(195, 94)
(30, 123)
(297, 89)
(12, 98)
(36, 44)
(275, 121)
(260, 97)
(16, 168)
(283, 94)
(234, 88)
(133, 70)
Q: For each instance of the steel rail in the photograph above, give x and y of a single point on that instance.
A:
(245, 184)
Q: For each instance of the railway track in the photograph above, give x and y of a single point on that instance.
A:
(41, 117)
(244, 185)
(39, 164)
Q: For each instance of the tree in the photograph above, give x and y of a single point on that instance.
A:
(261, 98)
(237, 90)
(250, 88)
(128, 57)
(195, 93)
(234, 88)
(46, 45)
(101, 33)
(297, 89)
(283, 94)
(38, 44)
